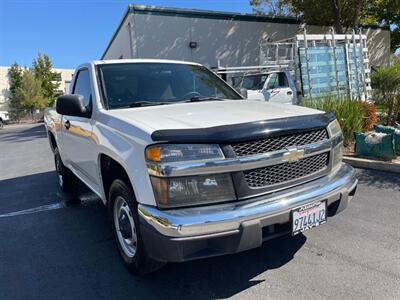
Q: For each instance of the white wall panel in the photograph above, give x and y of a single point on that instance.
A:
(120, 46)
(162, 36)
(234, 43)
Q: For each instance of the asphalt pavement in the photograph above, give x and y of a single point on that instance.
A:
(49, 250)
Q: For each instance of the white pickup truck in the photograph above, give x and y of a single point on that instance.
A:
(273, 86)
(189, 169)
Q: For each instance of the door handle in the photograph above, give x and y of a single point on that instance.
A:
(289, 93)
(67, 124)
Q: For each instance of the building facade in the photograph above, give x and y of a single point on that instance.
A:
(65, 80)
(208, 36)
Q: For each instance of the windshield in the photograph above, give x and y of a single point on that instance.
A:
(250, 82)
(137, 84)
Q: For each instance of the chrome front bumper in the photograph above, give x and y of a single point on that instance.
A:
(190, 233)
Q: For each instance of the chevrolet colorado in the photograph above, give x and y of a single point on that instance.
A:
(189, 169)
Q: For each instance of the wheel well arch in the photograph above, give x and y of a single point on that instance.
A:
(110, 169)
(52, 139)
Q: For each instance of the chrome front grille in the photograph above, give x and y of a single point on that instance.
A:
(281, 173)
(279, 142)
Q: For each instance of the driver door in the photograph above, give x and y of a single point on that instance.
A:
(77, 140)
(278, 88)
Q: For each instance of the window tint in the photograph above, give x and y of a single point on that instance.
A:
(283, 82)
(273, 81)
(254, 82)
(277, 80)
(125, 84)
(82, 86)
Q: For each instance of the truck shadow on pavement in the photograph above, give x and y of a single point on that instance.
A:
(22, 134)
(72, 253)
(225, 276)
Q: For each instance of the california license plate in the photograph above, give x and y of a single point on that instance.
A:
(308, 216)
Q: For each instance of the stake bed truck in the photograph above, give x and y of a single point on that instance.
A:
(189, 169)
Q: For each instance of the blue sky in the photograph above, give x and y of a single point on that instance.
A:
(74, 31)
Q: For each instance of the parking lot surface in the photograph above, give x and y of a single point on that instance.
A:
(53, 251)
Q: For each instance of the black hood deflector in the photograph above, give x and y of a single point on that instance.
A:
(245, 131)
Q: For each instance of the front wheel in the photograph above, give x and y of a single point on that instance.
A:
(127, 231)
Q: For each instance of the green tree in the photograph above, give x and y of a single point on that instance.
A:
(341, 14)
(29, 94)
(385, 12)
(386, 85)
(273, 8)
(14, 79)
(50, 81)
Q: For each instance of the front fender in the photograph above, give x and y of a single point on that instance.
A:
(128, 151)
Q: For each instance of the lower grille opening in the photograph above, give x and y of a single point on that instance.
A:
(289, 171)
(275, 230)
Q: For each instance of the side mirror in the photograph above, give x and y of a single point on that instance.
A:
(243, 92)
(72, 105)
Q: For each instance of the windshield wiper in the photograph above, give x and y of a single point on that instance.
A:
(147, 103)
(204, 98)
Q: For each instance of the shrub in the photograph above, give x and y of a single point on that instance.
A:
(348, 112)
(386, 85)
(370, 115)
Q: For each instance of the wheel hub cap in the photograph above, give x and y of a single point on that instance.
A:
(125, 227)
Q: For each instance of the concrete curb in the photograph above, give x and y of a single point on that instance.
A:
(364, 163)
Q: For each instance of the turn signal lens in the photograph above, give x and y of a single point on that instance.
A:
(153, 153)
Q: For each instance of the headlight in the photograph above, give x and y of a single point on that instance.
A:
(185, 152)
(188, 190)
(193, 190)
(334, 128)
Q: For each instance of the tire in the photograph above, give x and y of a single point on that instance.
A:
(123, 208)
(1, 124)
(67, 181)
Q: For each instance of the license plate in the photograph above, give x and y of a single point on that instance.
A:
(308, 216)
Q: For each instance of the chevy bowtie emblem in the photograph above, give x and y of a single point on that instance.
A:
(293, 155)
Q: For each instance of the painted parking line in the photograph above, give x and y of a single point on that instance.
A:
(33, 210)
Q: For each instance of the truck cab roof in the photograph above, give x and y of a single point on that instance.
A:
(130, 61)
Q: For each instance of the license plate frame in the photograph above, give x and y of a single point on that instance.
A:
(306, 216)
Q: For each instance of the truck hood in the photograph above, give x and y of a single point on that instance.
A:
(207, 114)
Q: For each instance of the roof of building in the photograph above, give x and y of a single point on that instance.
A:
(209, 14)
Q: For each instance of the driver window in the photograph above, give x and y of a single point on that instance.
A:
(283, 82)
(82, 86)
(273, 81)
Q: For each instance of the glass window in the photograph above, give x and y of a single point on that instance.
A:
(254, 82)
(321, 71)
(277, 80)
(273, 81)
(125, 84)
(283, 81)
(82, 86)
